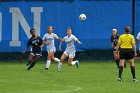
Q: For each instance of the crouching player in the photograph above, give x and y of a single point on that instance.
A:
(70, 49)
(36, 43)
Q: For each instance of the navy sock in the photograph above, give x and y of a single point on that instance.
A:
(120, 71)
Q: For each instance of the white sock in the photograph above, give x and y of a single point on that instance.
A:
(73, 62)
(48, 63)
(56, 59)
(59, 65)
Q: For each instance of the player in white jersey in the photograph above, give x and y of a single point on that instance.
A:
(48, 39)
(70, 49)
(138, 38)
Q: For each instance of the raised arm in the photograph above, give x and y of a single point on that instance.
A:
(78, 41)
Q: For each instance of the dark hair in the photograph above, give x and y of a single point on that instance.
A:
(50, 26)
(69, 28)
(127, 29)
(31, 30)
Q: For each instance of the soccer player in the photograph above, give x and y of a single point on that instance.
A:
(127, 46)
(48, 39)
(36, 43)
(70, 49)
(138, 38)
(114, 41)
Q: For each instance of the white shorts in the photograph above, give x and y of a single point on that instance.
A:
(70, 54)
(51, 50)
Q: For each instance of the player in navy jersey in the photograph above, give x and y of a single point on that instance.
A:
(36, 44)
(114, 41)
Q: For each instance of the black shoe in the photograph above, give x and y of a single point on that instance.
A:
(46, 69)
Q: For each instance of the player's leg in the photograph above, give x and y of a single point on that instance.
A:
(50, 55)
(132, 66)
(36, 58)
(121, 65)
(30, 58)
(55, 59)
(116, 58)
(70, 60)
(63, 57)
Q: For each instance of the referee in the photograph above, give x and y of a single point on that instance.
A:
(127, 46)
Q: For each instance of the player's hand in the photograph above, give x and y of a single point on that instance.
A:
(79, 42)
(60, 39)
(41, 46)
(47, 43)
(115, 47)
(135, 54)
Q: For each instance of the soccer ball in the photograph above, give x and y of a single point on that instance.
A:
(82, 17)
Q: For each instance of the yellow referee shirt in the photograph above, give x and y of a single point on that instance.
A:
(126, 41)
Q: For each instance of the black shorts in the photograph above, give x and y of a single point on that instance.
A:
(36, 53)
(126, 54)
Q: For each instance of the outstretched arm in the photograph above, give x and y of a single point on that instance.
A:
(78, 41)
(60, 44)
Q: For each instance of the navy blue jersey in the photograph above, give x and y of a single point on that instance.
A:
(35, 43)
(114, 40)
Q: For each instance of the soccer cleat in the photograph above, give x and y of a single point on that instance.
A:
(28, 63)
(46, 69)
(119, 79)
(58, 70)
(135, 80)
(77, 63)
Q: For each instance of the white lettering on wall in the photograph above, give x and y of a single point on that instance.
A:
(18, 18)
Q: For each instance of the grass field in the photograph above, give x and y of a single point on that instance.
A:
(95, 77)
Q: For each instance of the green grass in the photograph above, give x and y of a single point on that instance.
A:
(95, 77)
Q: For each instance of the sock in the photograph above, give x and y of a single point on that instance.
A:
(73, 62)
(48, 63)
(120, 71)
(117, 63)
(133, 72)
(31, 65)
(59, 65)
(56, 59)
(125, 64)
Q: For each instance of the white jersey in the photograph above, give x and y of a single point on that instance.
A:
(70, 43)
(50, 38)
(138, 36)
